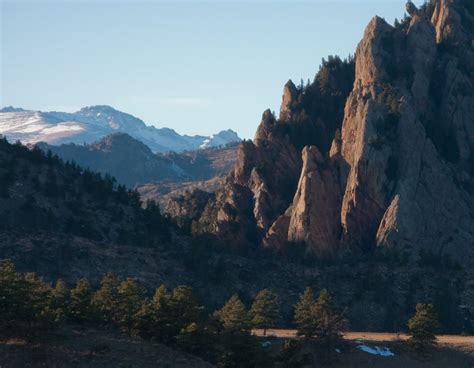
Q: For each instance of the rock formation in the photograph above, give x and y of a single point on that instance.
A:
(315, 215)
(411, 8)
(391, 165)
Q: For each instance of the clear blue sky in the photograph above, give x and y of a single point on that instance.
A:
(194, 66)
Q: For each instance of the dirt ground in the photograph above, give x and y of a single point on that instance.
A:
(375, 336)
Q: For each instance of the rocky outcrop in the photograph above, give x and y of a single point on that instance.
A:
(411, 8)
(315, 216)
(364, 145)
(453, 82)
(391, 168)
(267, 168)
(388, 163)
(289, 99)
(394, 195)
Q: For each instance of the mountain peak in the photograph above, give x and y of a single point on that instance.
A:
(12, 109)
(98, 109)
(122, 142)
(116, 119)
(91, 123)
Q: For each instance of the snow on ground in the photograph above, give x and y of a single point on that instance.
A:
(376, 350)
(63, 127)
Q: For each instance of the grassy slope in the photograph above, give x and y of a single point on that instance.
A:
(80, 348)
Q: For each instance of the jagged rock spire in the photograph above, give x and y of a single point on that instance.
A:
(411, 8)
(290, 94)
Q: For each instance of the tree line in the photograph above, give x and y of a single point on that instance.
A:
(33, 307)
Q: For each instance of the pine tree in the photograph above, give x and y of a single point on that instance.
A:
(13, 293)
(80, 303)
(104, 300)
(329, 323)
(153, 318)
(233, 315)
(59, 304)
(265, 310)
(304, 314)
(183, 308)
(39, 297)
(60, 296)
(423, 326)
(129, 302)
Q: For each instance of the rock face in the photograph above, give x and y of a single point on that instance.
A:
(315, 215)
(261, 184)
(391, 165)
(290, 95)
(394, 194)
(411, 8)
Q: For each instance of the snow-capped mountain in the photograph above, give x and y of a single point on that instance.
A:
(92, 123)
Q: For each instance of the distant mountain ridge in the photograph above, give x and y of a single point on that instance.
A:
(133, 163)
(92, 123)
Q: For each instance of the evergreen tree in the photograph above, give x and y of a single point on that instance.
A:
(329, 323)
(423, 326)
(129, 301)
(153, 320)
(304, 314)
(80, 303)
(12, 293)
(265, 310)
(60, 296)
(38, 297)
(183, 308)
(233, 315)
(104, 300)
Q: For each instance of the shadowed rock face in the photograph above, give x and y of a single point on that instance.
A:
(399, 173)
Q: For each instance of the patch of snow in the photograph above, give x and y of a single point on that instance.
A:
(31, 128)
(205, 143)
(62, 128)
(338, 351)
(376, 350)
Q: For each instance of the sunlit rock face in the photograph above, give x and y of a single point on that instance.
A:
(391, 166)
(401, 170)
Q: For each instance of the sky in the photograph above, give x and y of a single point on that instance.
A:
(195, 66)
